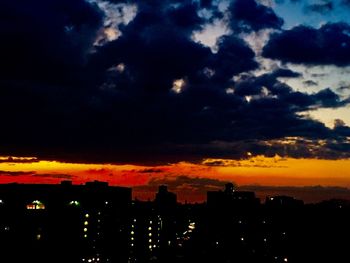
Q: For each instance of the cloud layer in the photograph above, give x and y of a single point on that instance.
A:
(77, 85)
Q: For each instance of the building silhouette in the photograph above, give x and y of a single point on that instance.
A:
(96, 222)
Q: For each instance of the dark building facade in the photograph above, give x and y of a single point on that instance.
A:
(64, 223)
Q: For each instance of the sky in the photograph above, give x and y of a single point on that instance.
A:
(191, 94)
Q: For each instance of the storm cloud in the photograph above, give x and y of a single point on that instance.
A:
(327, 45)
(77, 85)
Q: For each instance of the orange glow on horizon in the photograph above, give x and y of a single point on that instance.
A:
(257, 170)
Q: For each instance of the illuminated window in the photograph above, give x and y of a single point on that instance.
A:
(86, 223)
(36, 205)
(85, 229)
(87, 215)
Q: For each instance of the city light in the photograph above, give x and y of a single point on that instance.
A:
(36, 205)
(75, 203)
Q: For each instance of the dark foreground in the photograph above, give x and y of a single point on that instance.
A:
(98, 223)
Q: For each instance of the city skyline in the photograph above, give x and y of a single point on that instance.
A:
(190, 94)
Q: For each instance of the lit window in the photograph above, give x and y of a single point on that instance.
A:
(150, 234)
(86, 223)
(85, 236)
(132, 232)
(85, 229)
(87, 215)
(150, 240)
(36, 204)
(285, 259)
(150, 228)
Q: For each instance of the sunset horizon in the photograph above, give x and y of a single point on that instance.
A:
(311, 180)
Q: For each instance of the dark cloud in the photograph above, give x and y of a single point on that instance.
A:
(328, 99)
(54, 175)
(17, 173)
(346, 2)
(151, 170)
(248, 15)
(343, 88)
(328, 45)
(309, 194)
(310, 83)
(322, 7)
(318, 75)
(35, 174)
(46, 41)
(183, 182)
(206, 3)
(233, 57)
(11, 159)
(64, 98)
